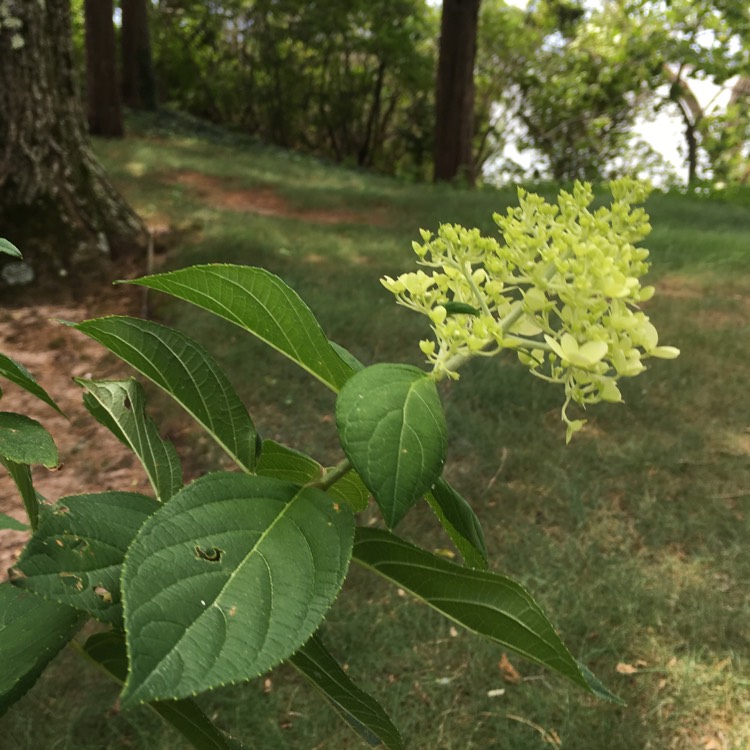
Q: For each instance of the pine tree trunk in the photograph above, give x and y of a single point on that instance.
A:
(102, 90)
(138, 84)
(454, 99)
(56, 203)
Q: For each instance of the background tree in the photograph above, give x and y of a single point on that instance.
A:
(102, 89)
(703, 40)
(506, 40)
(55, 199)
(581, 87)
(692, 114)
(347, 79)
(355, 80)
(454, 92)
(725, 137)
(138, 82)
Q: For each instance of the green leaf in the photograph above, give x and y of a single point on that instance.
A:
(486, 603)
(25, 441)
(392, 429)
(186, 372)
(108, 651)
(358, 709)
(75, 555)
(279, 461)
(8, 248)
(461, 523)
(226, 580)
(349, 359)
(460, 308)
(21, 475)
(18, 374)
(32, 632)
(120, 406)
(11, 524)
(285, 463)
(262, 304)
(351, 489)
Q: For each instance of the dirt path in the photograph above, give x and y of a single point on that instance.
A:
(265, 201)
(92, 459)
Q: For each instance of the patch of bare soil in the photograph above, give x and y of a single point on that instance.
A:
(679, 287)
(727, 305)
(92, 460)
(265, 201)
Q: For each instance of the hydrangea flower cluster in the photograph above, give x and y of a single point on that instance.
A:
(562, 290)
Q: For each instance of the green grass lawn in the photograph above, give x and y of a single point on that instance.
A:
(633, 538)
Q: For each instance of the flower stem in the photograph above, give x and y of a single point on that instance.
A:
(466, 271)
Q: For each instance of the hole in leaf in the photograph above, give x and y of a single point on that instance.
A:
(77, 544)
(126, 403)
(72, 581)
(209, 554)
(103, 594)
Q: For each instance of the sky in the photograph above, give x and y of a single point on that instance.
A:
(664, 132)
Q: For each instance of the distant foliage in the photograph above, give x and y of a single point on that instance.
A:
(348, 79)
(725, 138)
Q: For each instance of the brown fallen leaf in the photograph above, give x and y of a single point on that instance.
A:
(508, 671)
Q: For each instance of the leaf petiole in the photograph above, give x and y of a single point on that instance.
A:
(332, 475)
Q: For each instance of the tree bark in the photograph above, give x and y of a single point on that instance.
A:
(454, 96)
(56, 202)
(102, 91)
(692, 114)
(138, 82)
(692, 150)
(366, 149)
